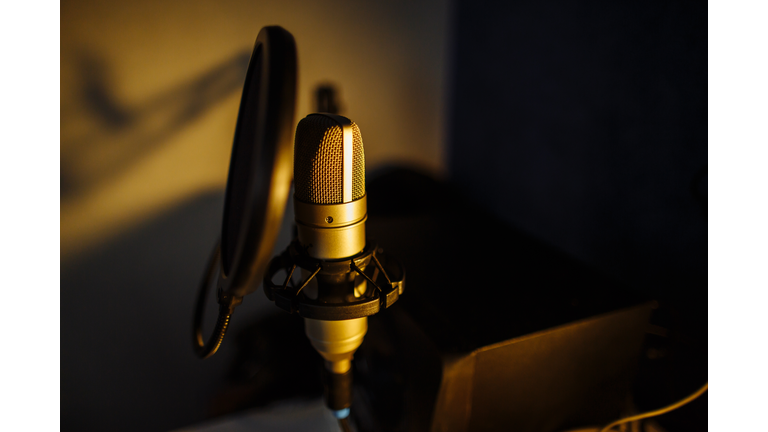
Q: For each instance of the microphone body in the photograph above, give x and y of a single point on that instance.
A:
(331, 210)
(342, 237)
(344, 277)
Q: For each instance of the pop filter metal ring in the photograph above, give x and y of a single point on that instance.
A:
(259, 180)
(260, 168)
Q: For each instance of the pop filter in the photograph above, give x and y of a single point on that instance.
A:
(259, 180)
(260, 168)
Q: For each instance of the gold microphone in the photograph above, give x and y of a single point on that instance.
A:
(344, 277)
(330, 208)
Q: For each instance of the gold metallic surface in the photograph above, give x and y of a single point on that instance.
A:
(339, 367)
(324, 169)
(347, 189)
(347, 155)
(332, 243)
(336, 341)
(330, 215)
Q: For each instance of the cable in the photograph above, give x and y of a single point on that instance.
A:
(227, 306)
(660, 411)
(344, 424)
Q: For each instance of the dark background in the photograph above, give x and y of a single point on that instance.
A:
(582, 125)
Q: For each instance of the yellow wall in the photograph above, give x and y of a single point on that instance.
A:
(150, 91)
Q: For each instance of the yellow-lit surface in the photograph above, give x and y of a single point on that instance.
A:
(336, 341)
(658, 412)
(150, 92)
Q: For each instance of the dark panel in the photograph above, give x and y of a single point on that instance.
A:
(585, 125)
(576, 375)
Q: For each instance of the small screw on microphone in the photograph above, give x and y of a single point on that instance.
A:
(329, 219)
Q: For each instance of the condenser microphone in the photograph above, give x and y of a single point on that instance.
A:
(329, 181)
(354, 279)
(330, 210)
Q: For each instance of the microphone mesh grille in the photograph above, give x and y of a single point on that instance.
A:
(318, 161)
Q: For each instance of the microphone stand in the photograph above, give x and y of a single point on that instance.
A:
(336, 307)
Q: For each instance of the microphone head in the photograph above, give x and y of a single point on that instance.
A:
(321, 172)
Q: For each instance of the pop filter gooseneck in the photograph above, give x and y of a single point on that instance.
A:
(258, 184)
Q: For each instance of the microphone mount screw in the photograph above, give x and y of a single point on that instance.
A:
(329, 219)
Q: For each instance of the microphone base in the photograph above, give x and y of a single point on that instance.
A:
(336, 341)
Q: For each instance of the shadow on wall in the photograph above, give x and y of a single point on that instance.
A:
(115, 135)
(127, 362)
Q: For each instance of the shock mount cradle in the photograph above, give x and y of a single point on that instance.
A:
(337, 305)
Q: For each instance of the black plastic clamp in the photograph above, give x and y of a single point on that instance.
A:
(379, 295)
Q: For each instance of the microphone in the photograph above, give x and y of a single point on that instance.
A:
(329, 180)
(330, 211)
(332, 251)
